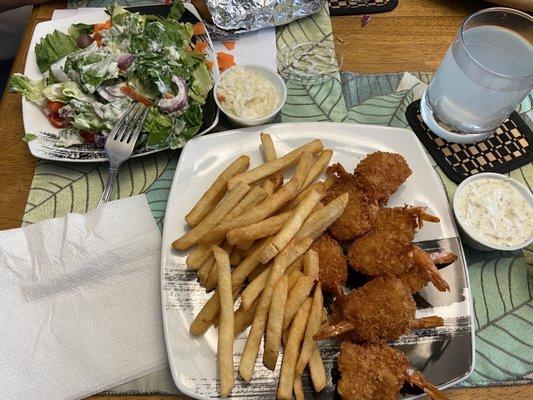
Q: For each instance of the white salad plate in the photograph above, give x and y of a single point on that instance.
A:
(444, 355)
(36, 123)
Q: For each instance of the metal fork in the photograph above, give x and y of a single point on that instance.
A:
(120, 142)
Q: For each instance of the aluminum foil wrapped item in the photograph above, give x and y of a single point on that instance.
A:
(251, 15)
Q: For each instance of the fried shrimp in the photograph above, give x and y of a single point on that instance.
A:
(359, 212)
(381, 173)
(377, 371)
(333, 269)
(382, 309)
(401, 222)
(379, 253)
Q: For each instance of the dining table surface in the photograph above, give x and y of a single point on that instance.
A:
(413, 37)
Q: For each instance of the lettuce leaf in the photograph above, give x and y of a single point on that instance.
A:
(53, 47)
(201, 83)
(177, 10)
(185, 126)
(158, 126)
(75, 30)
(68, 137)
(160, 34)
(31, 89)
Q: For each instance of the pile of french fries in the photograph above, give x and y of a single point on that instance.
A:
(252, 220)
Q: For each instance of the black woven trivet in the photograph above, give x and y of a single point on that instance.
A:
(350, 7)
(508, 148)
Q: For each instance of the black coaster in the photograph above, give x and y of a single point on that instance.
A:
(350, 7)
(508, 149)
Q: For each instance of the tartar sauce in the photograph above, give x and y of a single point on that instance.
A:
(497, 211)
(247, 94)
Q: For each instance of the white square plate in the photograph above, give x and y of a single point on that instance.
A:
(444, 354)
(36, 123)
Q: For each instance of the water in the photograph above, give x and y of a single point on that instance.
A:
(469, 99)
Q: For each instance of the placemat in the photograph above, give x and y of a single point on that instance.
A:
(501, 281)
(351, 7)
(508, 148)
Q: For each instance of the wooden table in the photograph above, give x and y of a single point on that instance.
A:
(412, 38)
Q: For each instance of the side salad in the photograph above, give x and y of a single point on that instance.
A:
(107, 66)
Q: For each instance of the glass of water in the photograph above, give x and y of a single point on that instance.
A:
(486, 73)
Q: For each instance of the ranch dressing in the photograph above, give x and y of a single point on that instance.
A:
(497, 211)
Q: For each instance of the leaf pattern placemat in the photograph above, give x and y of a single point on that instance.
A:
(501, 281)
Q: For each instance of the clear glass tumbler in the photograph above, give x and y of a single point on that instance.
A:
(485, 74)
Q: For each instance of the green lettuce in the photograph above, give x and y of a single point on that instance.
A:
(91, 67)
(177, 10)
(84, 118)
(201, 83)
(153, 73)
(53, 47)
(111, 112)
(75, 30)
(31, 89)
(160, 34)
(68, 137)
(29, 137)
(185, 126)
(55, 92)
(158, 126)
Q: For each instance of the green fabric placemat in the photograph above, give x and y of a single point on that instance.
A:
(501, 281)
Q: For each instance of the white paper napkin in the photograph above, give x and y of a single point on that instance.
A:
(80, 307)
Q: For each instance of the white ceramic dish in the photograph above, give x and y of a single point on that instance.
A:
(274, 78)
(444, 354)
(471, 237)
(36, 123)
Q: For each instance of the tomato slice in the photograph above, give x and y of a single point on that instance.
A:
(135, 95)
(54, 106)
(87, 136)
(56, 121)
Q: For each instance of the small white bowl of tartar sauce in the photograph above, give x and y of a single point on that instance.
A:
(250, 95)
(494, 212)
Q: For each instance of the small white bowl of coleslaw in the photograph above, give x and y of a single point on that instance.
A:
(250, 95)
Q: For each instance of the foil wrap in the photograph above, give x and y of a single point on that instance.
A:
(251, 15)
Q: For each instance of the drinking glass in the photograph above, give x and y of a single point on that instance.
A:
(485, 74)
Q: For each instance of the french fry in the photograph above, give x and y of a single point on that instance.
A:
(205, 269)
(311, 264)
(290, 228)
(212, 280)
(226, 327)
(318, 372)
(252, 198)
(268, 185)
(275, 320)
(216, 191)
(289, 254)
(318, 167)
(317, 187)
(198, 256)
(329, 181)
(318, 222)
(269, 153)
(298, 388)
(293, 278)
(299, 293)
(302, 168)
(205, 318)
(226, 205)
(313, 326)
(245, 246)
(257, 271)
(243, 318)
(271, 167)
(236, 257)
(292, 348)
(258, 230)
(297, 265)
(258, 213)
(254, 289)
